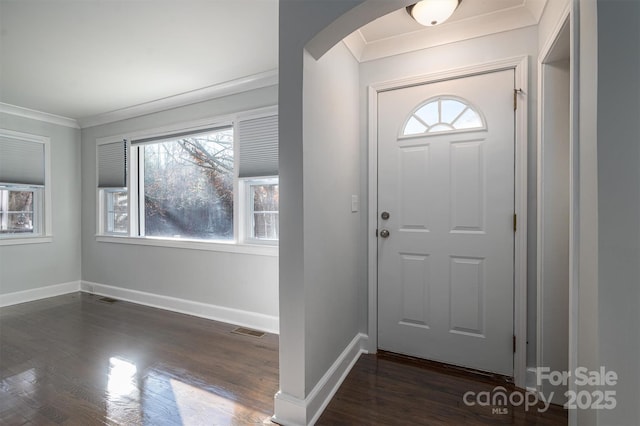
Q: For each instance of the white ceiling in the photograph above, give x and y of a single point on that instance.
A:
(84, 59)
(81, 58)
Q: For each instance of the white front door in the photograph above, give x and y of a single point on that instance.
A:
(446, 221)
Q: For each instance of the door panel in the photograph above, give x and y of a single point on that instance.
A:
(445, 272)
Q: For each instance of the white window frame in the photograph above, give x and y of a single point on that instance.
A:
(42, 196)
(248, 210)
(37, 206)
(103, 195)
(239, 244)
(439, 99)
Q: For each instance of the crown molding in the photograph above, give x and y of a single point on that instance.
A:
(38, 115)
(525, 15)
(244, 84)
(356, 44)
(536, 8)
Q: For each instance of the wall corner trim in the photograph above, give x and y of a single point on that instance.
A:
(232, 87)
(33, 294)
(38, 115)
(262, 322)
(292, 411)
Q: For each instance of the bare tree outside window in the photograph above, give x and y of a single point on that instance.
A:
(188, 187)
(265, 199)
(16, 211)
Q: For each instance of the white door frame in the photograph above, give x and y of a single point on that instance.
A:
(520, 65)
(545, 51)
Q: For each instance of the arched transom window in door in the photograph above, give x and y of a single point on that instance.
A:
(443, 114)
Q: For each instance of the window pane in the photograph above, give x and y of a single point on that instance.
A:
(414, 127)
(265, 226)
(450, 110)
(16, 211)
(265, 199)
(468, 120)
(117, 211)
(188, 187)
(429, 113)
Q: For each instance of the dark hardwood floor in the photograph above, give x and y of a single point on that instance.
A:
(74, 360)
(387, 389)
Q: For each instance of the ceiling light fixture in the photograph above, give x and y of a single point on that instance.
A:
(432, 12)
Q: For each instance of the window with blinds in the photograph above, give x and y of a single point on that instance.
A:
(23, 185)
(112, 164)
(258, 140)
(184, 184)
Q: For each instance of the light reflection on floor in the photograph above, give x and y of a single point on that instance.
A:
(123, 395)
(21, 383)
(129, 392)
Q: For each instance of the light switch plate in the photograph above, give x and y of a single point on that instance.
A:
(355, 203)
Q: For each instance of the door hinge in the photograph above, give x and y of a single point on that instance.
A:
(515, 98)
(514, 344)
(515, 222)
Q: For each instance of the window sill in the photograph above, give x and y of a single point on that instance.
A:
(230, 247)
(11, 241)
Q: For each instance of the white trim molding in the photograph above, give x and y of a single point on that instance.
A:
(262, 322)
(12, 241)
(224, 247)
(240, 85)
(33, 294)
(508, 19)
(563, 19)
(38, 115)
(244, 84)
(292, 411)
(520, 65)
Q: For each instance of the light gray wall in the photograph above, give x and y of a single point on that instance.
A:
(554, 242)
(299, 21)
(619, 203)
(521, 42)
(30, 266)
(232, 280)
(334, 253)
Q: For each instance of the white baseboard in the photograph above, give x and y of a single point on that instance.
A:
(531, 380)
(38, 293)
(292, 411)
(268, 323)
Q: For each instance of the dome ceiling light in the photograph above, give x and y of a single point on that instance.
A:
(432, 12)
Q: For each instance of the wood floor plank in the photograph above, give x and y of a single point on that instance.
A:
(73, 360)
(385, 391)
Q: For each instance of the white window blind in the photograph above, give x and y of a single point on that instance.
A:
(21, 161)
(112, 165)
(258, 143)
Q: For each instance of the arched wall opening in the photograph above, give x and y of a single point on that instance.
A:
(323, 107)
(322, 256)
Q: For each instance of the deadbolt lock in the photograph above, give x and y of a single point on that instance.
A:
(385, 215)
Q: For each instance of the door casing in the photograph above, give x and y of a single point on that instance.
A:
(520, 65)
(546, 98)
